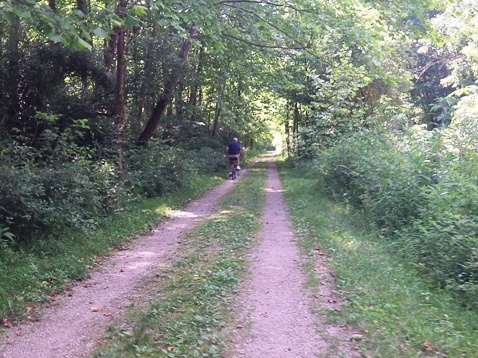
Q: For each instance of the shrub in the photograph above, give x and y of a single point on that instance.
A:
(372, 175)
(158, 169)
(40, 195)
(443, 240)
(36, 199)
(421, 191)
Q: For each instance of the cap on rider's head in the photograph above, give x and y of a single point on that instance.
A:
(234, 139)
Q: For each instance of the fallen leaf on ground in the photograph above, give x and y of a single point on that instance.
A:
(6, 323)
(427, 346)
(356, 337)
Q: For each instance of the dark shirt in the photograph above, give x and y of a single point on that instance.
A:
(233, 148)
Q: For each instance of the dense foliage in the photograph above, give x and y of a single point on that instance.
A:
(419, 192)
(105, 102)
(409, 165)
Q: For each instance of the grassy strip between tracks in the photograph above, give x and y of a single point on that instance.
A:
(184, 308)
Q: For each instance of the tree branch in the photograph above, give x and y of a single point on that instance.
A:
(227, 2)
(437, 61)
(300, 45)
(261, 45)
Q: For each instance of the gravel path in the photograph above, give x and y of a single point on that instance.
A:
(71, 326)
(275, 313)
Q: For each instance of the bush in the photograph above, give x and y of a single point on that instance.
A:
(443, 240)
(420, 189)
(44, 191)
(158, 169)
(42, 194)
(43, 200)
(383, 180)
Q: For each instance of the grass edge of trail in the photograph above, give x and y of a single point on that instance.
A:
(187, 303)
(398, 311)
(31, 277)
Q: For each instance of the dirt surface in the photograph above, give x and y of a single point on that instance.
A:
(275, 316)
(74, 322)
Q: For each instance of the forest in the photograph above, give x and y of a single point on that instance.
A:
(103, 103)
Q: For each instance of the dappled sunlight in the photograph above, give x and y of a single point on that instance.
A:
(226, 214)
(137, 260)
(181, 214)
(139, 265)
(256, 169)
(270, 190)
(346, 241)
(162, 209)
(145, 254)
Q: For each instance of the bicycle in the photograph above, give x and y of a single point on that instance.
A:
(233, 161)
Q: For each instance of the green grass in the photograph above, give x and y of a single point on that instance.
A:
(31, 275)
(188, 302)
(399, 313)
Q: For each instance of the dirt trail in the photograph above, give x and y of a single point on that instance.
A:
(275, 310)
(72, 325)
(275, 313)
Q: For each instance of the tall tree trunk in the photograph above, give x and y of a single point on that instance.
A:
(287, 130)
(193, 99)
(12, 73)
(215, 124)
(179, 103)
(145, 85)
(165, 97)
(52, 5)
(120, 90)
(110, 52)
(295, 128)
(81, 5)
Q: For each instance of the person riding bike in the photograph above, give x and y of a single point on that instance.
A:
(233, 152)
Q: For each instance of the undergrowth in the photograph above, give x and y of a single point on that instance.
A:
(35, 273)
(419, 188)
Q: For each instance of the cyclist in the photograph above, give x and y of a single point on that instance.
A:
(233, 152)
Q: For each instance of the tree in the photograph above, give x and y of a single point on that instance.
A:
(165, 98)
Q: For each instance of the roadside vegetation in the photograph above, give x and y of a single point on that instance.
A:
(402, 310)
(31, 273)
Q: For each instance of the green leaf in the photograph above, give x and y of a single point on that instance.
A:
(80, 13)
(132, 21)
(83, 44)
(115, 22)
(140, 10)
(55, 37)
(100, 32)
